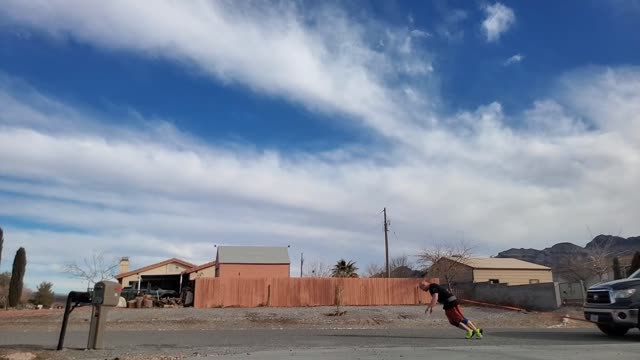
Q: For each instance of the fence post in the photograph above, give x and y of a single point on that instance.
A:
(269, 295)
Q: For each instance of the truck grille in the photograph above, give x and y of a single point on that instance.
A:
(598, 297)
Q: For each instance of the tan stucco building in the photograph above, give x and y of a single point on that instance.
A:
(165, 275)
(492, 270)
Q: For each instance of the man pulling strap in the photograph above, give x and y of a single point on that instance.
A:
(451, 308)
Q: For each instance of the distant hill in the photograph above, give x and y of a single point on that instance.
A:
(555, 256)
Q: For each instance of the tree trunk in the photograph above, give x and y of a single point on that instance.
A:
(338, 299)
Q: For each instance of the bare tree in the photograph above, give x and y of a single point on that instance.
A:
(400, 261)
(92, 269)
(318, 269)
(446, 261)
(374, 270)
(26, 295)
(399, 266)
(599, 257)
(590, 264)
(574, 268)
(5, 278)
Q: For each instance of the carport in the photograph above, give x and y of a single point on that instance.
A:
(153, 282)
(165, 275)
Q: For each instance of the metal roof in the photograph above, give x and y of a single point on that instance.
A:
(501, 263)
(253, 255)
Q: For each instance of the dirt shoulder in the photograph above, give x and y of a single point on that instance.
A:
(356, 317)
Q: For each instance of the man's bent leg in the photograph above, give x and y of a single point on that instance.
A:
(462, 319)
(457, 319)
(476, 330)
(470, 325)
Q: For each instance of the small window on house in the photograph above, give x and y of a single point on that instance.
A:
(534, 281)
(494, 281)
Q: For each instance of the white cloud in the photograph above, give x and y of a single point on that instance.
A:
(146, 196)
(515, 59)
(608, 98)
(419, 33)
(325, 64)
(499, 19)
(150, 191)
(549, 118)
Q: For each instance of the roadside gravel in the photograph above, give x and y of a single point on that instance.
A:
(356, 317)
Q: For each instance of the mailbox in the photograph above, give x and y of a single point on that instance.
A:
(106, 293)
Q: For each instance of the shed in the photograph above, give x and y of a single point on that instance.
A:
(492, 270)
(252, 262)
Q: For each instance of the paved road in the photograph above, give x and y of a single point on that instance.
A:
(341, 344)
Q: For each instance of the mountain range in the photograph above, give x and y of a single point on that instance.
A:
(555, 256)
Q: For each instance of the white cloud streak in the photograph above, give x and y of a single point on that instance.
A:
(271, 48)
(515, 59)
(499, 19)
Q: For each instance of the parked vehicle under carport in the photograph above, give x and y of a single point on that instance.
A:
(130, 293)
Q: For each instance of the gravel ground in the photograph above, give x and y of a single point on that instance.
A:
(392, 317)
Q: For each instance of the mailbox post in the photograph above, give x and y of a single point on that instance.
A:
(106, 294)
(74, 300)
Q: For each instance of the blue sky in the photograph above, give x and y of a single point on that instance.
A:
(154, 132)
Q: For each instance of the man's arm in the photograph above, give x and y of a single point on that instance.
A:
(434, 300)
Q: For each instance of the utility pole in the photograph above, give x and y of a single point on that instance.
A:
(301, 262)
(386, 242)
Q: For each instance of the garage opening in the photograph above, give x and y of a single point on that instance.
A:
(158, 282)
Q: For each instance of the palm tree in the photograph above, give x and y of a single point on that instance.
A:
(344, 269)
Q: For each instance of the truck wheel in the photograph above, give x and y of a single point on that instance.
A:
(614, 331)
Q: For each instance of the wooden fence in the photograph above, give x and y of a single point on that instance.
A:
(295, 292)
